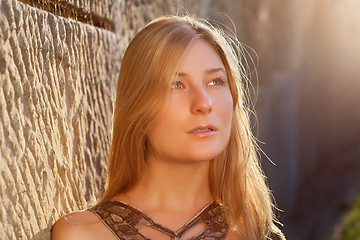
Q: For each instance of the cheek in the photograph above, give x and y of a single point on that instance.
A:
(226, 109)
(171, 116)
(164, 129)
(227, 118)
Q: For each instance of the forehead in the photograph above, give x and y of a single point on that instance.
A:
(200, 56)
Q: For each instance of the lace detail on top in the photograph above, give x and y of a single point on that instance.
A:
(125, 221)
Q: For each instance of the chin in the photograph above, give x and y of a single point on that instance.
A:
(203, 156)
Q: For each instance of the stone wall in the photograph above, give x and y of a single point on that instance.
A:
(57, 81)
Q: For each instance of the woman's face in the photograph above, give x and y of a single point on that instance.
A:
(195, 123)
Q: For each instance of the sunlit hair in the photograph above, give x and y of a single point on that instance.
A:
(148, 68)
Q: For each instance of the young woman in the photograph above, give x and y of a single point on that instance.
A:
(182, 160)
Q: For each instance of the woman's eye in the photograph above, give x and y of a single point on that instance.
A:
(217, 81)
(177, 84)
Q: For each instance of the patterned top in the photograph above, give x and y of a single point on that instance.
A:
(125, 221)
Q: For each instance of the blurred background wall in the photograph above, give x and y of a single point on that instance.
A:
(308, 108)
(59, 62)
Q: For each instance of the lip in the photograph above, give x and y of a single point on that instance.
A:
(203, 134)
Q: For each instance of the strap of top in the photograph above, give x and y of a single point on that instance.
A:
(125, 221)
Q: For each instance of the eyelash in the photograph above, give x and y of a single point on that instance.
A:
(219, 81)
(175, 83)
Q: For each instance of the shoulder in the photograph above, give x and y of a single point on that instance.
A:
(76, 225)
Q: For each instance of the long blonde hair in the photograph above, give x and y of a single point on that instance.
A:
(147, 70)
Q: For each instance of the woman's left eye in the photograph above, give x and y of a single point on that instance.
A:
(177, 84)
(216, 81)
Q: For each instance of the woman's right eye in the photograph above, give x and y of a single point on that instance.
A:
(177, 84)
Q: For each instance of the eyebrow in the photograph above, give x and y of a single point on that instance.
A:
(209, 71)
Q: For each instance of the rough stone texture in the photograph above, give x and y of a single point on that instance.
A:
(57, 81)
(103, 8)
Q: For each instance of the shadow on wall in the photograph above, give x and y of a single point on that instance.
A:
(44, 233)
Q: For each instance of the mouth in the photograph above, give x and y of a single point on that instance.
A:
(203, 129)
(200, 130)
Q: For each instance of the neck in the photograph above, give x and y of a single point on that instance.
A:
(173, 185)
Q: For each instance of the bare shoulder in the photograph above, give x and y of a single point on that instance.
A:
(79, 225)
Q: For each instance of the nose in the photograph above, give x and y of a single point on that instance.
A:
(201, 102)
